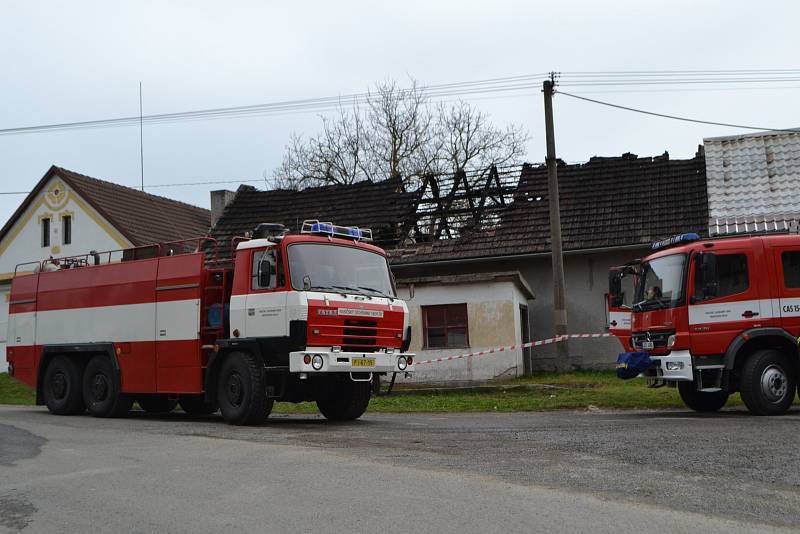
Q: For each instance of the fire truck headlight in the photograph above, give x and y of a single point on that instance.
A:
(316, 362)
(402, 363)
(671, 340)
(674, 366)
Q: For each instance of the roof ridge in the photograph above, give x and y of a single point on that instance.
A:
(128, 188)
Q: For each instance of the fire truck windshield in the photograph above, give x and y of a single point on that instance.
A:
(339, 269)
(661, 283)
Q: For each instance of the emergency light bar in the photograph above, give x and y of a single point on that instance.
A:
(327, 228)
(675, 240)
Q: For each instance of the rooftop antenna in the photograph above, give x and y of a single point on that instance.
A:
(141, 136)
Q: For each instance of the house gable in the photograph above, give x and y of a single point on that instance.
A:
(54, 199)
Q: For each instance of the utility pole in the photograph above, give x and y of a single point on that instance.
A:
(559, 290)
(141, 136)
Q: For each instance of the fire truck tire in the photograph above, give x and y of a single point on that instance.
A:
(768, 383)
(157, 403)
(349, 401)
(101, 392)
(62, 387)
(241, 392)
(197, 405)
(701, 401)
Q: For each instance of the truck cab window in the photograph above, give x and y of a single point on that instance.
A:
(732, 276)
(264, 272)
(791, 269)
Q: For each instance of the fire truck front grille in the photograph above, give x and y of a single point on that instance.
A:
(659, 338)
(359, 334)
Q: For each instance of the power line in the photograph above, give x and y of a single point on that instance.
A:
(508, 84)
(491, 85)
(675, 117)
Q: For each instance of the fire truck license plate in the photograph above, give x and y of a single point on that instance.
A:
(647, 345)
(363, 362)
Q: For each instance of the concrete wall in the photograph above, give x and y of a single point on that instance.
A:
(23, 243)
(493, 320)
(586, 278)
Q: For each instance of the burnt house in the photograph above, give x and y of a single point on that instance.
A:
(471, 253)
(612, 209)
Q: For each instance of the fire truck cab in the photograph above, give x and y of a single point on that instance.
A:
(716, 316)
(311, 316)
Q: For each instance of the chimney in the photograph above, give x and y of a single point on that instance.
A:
(219, 199)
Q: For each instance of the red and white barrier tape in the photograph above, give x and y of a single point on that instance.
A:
(495, 350)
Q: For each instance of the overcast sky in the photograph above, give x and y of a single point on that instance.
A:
(81, 60)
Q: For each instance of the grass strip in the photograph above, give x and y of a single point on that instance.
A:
(575, 390)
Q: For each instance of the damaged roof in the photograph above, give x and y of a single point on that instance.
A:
(606, 202)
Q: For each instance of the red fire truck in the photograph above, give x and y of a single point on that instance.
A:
(716, 316)
(311, 316)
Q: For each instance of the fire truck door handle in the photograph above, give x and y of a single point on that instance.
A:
(749, 314)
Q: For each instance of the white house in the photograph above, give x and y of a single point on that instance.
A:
(70, 214)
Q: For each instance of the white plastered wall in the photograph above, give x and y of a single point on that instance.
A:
(493, 320)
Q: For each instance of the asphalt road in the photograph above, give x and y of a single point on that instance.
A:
(526, 472)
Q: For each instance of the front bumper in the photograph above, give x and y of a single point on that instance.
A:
(676, 366)
(343, 362)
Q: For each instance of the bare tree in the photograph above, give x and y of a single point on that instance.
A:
(337, 155)
(401, 130)
(397, 134)
(468, 140)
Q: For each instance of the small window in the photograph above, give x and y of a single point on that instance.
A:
(66, 229)
(263, 264)
(791, 269)
(445, 326)
(732, 275)
(46, 232)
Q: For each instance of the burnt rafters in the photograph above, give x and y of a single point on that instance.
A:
(465, 206)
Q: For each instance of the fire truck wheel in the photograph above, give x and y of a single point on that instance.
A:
(62, 387)
(349, 401)
(241, 392)
(701, 401)
(100, 393)
(768, 383)
(197, 405)
(157, 403)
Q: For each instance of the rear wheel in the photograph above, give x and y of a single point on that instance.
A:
(197, 405)
(61, 387)
(701, 401)
(768, 383)
(346, 401)
(101, 392)
(241, 393)
(157, 403)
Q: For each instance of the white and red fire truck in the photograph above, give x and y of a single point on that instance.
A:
(306, 317)
(716, 316)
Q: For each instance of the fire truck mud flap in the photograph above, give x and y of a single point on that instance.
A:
(316, 362)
